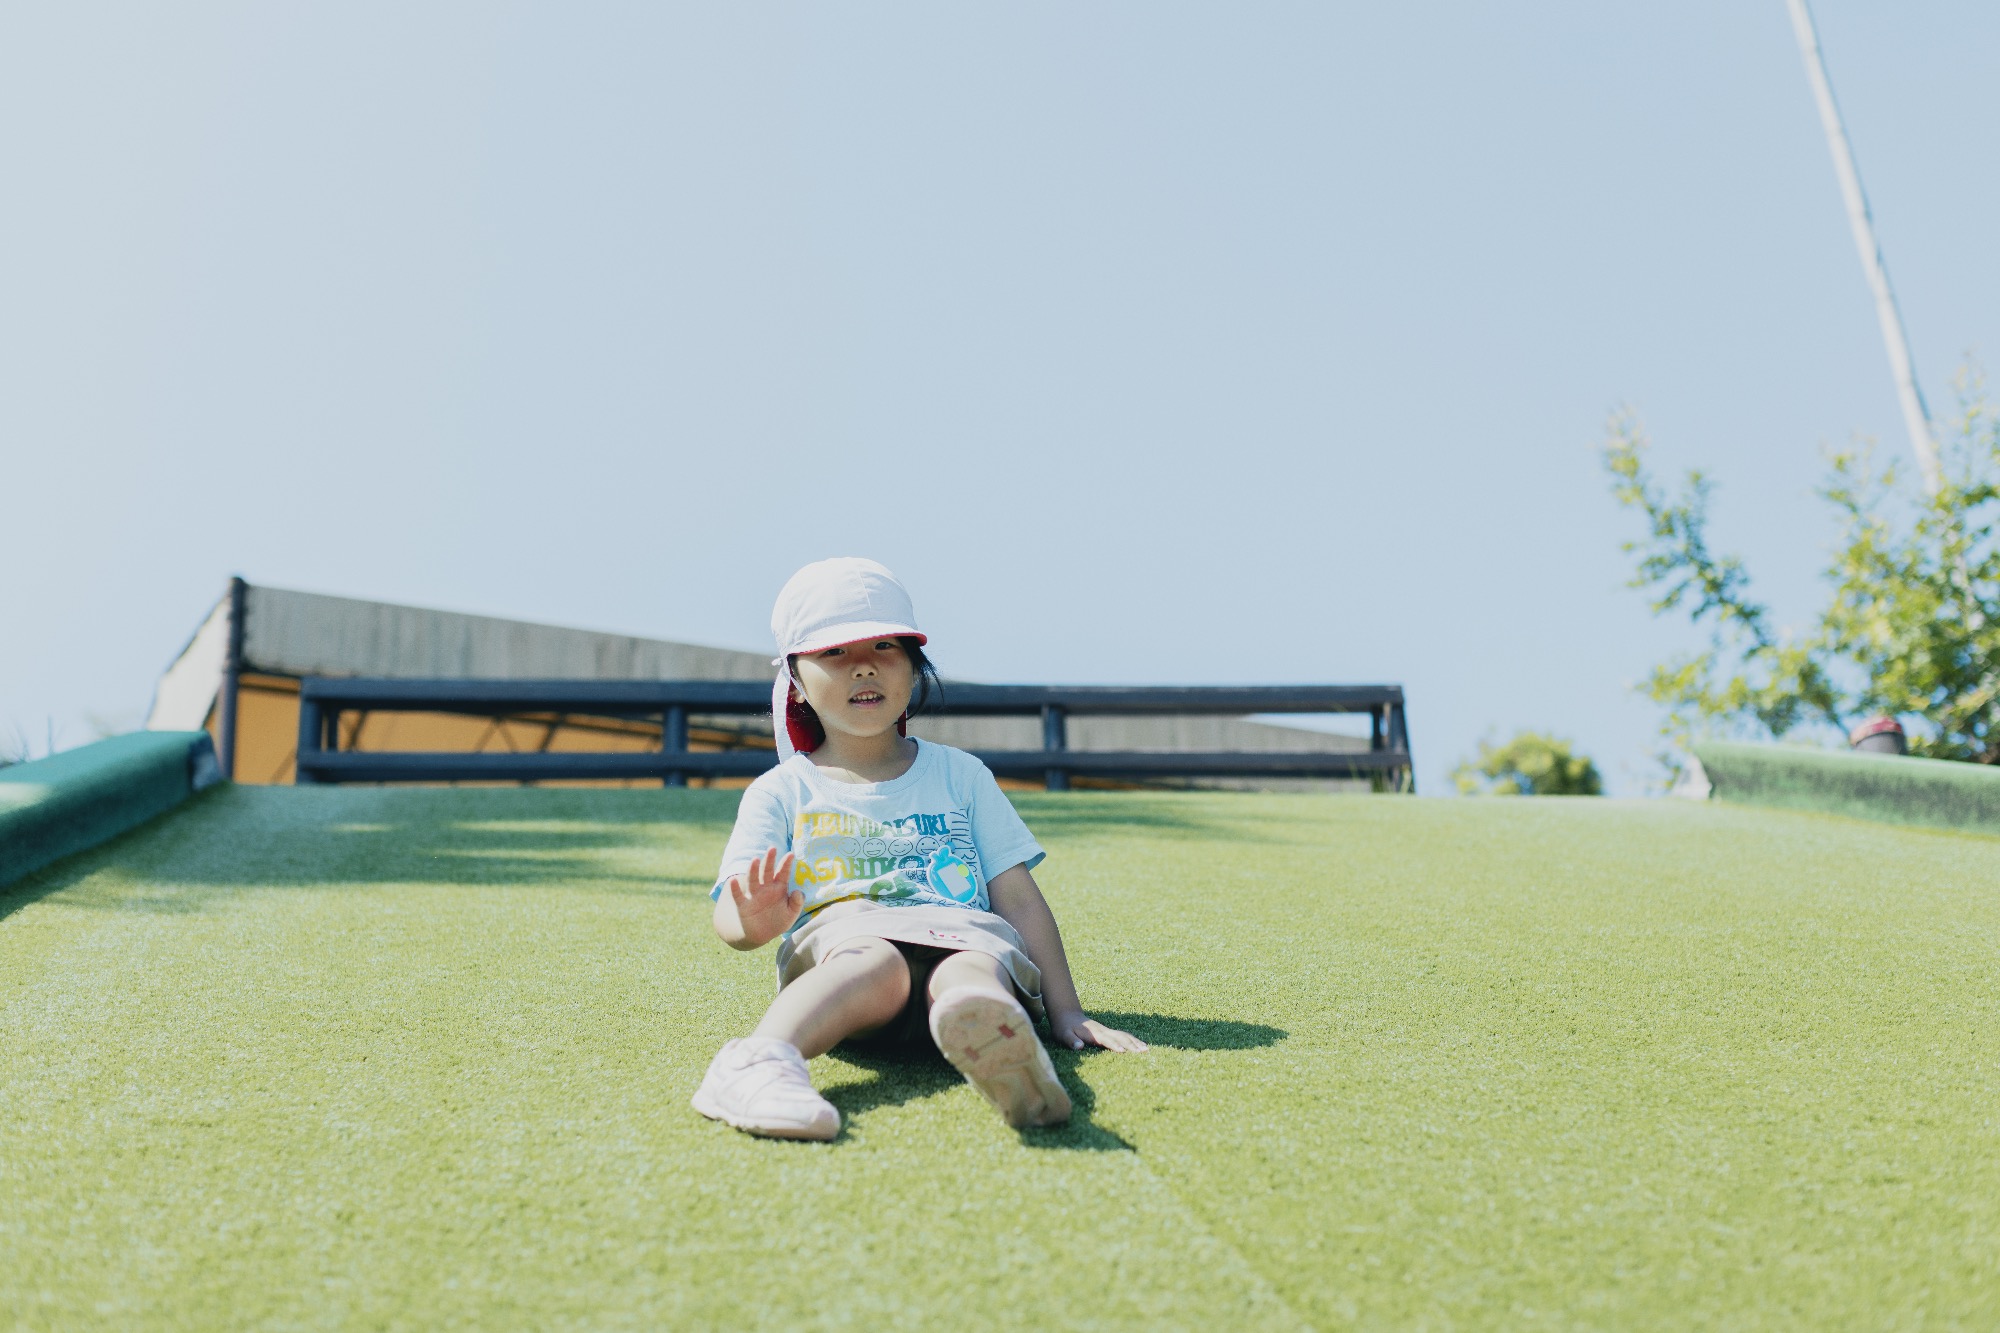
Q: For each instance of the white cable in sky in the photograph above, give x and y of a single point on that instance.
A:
(1916, 416)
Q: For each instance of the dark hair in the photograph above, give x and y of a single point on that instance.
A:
(921, 666)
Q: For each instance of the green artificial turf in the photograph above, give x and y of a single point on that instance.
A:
(300, 1058)
(1897, 789)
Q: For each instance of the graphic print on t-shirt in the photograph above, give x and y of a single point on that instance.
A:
(952, 877)
(914, 859)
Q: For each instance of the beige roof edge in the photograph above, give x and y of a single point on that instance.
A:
(292, 633)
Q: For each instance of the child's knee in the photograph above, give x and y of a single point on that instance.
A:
(878, 961)
(969, 968)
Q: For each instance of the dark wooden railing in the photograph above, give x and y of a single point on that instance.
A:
(323, 700)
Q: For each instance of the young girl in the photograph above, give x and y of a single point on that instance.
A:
(896, 873)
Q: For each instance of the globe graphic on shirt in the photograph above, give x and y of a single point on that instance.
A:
(952, 877)
(891, 888)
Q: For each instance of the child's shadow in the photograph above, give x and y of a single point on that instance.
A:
(908, 1076)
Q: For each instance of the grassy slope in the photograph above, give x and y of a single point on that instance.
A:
(354, 1057)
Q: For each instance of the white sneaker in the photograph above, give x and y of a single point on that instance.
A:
(989, 1038)
(760, 1085)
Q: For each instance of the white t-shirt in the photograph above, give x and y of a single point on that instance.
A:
(933, 836)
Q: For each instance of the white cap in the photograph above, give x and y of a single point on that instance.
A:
(829, 603)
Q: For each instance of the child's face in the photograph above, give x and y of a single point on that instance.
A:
(858, 689)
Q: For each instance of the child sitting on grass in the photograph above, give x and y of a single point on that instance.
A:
(896, 873)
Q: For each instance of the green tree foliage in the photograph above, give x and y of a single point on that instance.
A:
(1912, 628)
(1529, 765)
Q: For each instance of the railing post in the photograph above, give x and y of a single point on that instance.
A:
(674, 740)
(1055, 739)
(311, 733)
(1399, 739)
(232, 679)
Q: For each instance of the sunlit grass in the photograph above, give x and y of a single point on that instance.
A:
(324, 1057)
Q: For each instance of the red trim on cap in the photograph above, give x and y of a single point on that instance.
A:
(866, 638)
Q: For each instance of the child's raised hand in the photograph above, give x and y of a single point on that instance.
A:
(1077, 1031)
(765, 901)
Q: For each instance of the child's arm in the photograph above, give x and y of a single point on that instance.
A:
(1018, 899)
(757, 905)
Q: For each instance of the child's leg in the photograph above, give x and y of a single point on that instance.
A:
(982, 1029)
(860, 985)
(759, 1083)
(969, 967)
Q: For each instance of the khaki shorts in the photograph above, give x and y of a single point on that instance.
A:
(925, 936)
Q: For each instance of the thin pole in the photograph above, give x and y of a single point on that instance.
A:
(1916, 416)
(232, 678)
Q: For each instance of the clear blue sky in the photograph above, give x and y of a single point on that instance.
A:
(1151, 342)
